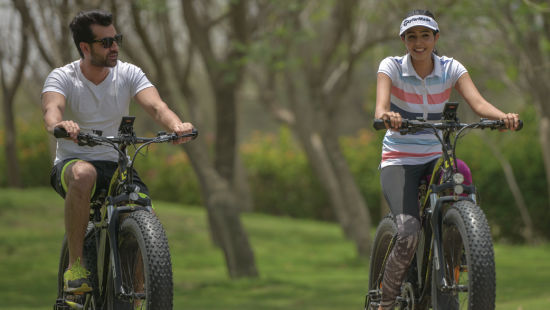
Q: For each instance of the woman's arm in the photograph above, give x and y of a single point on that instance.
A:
(482, 107)
(383, 92)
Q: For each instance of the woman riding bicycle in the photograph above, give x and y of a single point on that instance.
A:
(417, 84)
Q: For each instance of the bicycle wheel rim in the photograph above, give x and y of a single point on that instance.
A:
(456, 268)
(382, 244)
(133, 273)
(145, 264)
(468, 260)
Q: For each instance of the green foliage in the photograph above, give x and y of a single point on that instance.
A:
(281, 179)
(363, 154)
(168, 174)
(33, 154)
(523, 152)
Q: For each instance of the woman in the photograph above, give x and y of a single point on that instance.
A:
(416, 85)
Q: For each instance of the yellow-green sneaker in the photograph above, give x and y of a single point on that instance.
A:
(139, 304)
(76, 280)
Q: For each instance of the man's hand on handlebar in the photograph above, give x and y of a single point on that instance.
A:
(182, 129)
(72, 129)
(511, 121)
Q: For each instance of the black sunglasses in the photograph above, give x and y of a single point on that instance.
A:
(108, 41)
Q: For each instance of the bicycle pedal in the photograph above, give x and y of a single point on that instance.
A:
(372, 306)
(402, 301)
(71, 301)
(74, 305)
(372, 300)
(61, 305)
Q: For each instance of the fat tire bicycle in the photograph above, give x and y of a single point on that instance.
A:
(453, 266)
(125, 247)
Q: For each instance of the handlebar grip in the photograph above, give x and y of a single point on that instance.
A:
(195, 133)
(60, 132)
(379, 124)
(520, 125)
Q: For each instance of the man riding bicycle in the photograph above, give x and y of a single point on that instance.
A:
(94, 93)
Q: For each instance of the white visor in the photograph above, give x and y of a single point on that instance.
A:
(418, 20)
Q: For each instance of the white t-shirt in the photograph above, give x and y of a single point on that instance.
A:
(412, 97)
(94, 107)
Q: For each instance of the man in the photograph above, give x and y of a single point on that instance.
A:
(93, 92)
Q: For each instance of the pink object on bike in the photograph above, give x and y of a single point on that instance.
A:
(465, 170)
(462, 168)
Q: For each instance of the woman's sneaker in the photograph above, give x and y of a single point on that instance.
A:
(75, 279)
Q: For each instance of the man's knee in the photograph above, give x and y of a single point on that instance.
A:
(81, 174)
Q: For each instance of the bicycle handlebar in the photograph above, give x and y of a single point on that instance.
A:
(94, 139)
(409, 126)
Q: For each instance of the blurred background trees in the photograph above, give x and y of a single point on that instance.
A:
(283, 95)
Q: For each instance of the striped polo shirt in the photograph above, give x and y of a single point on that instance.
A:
(412, 97)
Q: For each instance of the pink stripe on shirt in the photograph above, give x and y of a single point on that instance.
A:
(392, 155)
(439, 98)
(405, 96)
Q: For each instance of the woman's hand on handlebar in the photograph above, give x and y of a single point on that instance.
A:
(511, 121)
(392, 120)
(72, 129)
(183, 129)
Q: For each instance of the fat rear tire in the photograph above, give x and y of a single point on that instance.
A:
(381, 247)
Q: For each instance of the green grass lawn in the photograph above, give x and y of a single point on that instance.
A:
(302, 264)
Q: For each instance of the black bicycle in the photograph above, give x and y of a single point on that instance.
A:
(453, 267)
(125, 248)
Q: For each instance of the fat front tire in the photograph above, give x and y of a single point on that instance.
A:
(383, 242)
(145, 264)
(469, 265)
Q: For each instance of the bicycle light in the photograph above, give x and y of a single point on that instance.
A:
(458, 178)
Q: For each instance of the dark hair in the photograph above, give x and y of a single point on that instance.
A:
(425, 13)
(80, 25)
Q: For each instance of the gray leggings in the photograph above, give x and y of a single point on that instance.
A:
(400, 187)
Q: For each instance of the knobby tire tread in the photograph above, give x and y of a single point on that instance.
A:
(385, 232)
(157, 263)
(476, 235)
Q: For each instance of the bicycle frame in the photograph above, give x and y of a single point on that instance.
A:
(106, 226)
(123, 198)
(445, 187)
(431, 214)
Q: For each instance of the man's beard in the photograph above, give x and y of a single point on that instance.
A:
(100, 61)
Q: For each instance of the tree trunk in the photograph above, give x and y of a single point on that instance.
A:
(12, 163)
(330, 166)
(316, 153)
(9, 89)
(359, 224)
(223, 213)
(544, 136)
(224, 71)
(226, 130)
(528, 232)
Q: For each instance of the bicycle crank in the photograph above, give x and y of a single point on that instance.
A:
(407, 299)
(73, 302)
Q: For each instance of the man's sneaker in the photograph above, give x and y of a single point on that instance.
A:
(76, 280)
(139, 304)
